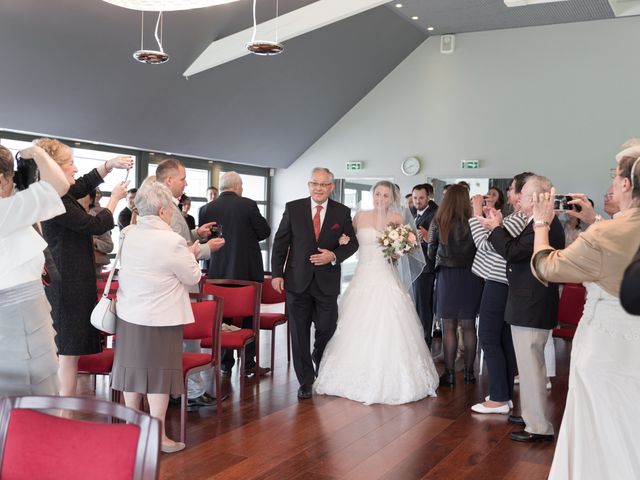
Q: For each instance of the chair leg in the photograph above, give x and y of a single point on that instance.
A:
(273, 348)
(257, 340)
(218, 391)
(183, 412)
(288, 342)
(242, 371)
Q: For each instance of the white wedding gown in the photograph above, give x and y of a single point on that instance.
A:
(599, 435)
(377, 353)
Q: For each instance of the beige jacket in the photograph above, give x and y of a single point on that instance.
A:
(600, 254)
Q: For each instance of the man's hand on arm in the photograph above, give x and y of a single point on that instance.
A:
(278, 284)
(325, 256)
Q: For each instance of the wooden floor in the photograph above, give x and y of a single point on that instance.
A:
(270, 434)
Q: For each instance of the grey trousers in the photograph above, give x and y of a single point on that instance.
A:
(529, 345)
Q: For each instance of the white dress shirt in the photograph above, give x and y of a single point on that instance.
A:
(21, 257)
(156, 271)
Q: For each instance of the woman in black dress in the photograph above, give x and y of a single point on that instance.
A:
(458, 290)
(70, 239)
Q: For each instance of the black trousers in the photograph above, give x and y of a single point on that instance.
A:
(423, 290)
(496, 341)
(311, 306)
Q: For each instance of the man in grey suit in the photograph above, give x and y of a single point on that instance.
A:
(532, 310)
(173, 174)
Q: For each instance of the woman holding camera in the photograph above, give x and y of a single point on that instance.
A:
(599, 432)
(70, 238)
(28, 362)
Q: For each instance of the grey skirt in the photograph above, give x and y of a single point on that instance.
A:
(148, 359)
(28, 360)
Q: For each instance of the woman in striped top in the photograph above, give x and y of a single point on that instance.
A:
(494, 332)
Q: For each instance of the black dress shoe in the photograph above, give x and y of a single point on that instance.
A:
(226, 372)
(516, 420)
(469, 376)
(448, 379)
(204, 400)
(304, 392)
(524, 436)
(252, 371)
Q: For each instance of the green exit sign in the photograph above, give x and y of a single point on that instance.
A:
(354, 166)
(470, 164)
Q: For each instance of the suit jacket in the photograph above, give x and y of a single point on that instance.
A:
(425, 222)
(243, 228)
(529, 303)
(295, 242)
(629, 291)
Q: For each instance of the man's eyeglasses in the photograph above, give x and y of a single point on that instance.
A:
(320, 185)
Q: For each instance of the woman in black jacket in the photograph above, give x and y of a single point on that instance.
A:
(458, 290)
(70, 239)
(630, 288)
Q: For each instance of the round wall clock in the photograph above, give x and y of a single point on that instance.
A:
(410, 166)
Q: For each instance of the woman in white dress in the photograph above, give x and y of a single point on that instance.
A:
(599, 432)
(377, 353)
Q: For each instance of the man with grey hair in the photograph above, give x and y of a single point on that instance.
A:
(173, 175)
(532, 310)
(239, 220)
(308, 242)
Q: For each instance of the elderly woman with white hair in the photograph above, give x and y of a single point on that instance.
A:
(599, 433)
(156, 270)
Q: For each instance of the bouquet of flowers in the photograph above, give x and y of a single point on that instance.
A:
(397, 240)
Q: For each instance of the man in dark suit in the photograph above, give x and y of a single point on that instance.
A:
(532, 310)
(124, 218)
(307, 241)
(426, 209)
(243, 228)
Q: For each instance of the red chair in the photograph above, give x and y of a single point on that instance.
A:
(208, 325)
(99, 364)
(100, 285)
(570, 310)
(269, 321)
(35, 444)
(241, 299)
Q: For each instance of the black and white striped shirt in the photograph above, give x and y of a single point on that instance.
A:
(487, 263)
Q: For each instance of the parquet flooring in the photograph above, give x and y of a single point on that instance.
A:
(268, 434)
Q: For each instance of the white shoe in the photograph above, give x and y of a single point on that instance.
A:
(509, 402)
(480, 408)
(516, 380)
(176, 447)
(549, 385)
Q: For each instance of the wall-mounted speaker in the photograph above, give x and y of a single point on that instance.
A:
(447, 43)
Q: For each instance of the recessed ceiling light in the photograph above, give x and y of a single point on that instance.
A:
(430, 29)
(398, 5)
(415, 17)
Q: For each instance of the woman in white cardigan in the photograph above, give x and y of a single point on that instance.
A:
(156, 270)
(28, 362)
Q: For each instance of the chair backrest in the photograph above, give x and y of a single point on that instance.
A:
(241, 298)
(269, 294)
(34, 442)
(207, 312)
(571, 303)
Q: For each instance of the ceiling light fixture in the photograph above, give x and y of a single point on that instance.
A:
(152, 57)
(398, 5)
(166, 5)
(264, 47)
(430, 29)
(415, 17)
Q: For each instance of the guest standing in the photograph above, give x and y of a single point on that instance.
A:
(70, 238)
(156, 270)
(451, 250)
(598, 436)
(28, 362)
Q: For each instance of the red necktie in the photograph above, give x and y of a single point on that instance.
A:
(316, 221)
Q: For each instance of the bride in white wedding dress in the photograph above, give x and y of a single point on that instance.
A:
(378, 353)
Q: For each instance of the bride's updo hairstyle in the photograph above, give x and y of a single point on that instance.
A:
(396, 202)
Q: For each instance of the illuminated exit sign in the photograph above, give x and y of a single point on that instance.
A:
(354, 166)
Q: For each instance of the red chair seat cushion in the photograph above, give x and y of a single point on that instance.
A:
(43, 446)
(192, 360)
(562, 332)
(269, 320)
(97, 363)
(232, 340)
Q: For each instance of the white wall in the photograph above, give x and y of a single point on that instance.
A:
(558, 100)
